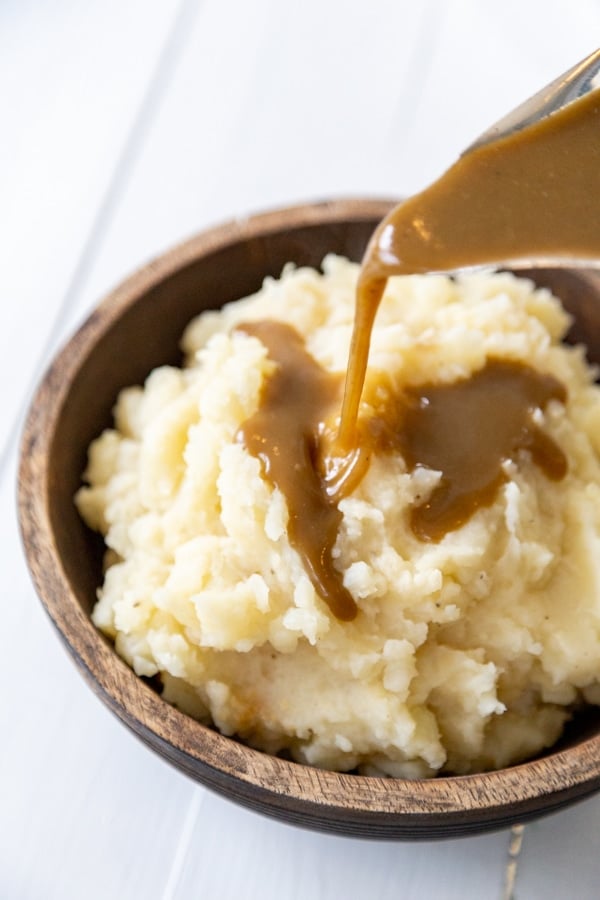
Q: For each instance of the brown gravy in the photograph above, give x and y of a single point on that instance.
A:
(494, 408)
(467, 430)
(284, 435)
(533, 194)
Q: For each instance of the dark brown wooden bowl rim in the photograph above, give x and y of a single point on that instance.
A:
(343, 803)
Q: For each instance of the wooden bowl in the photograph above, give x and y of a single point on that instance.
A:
(137, 328)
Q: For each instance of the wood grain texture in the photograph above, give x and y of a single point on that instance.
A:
(134, 330)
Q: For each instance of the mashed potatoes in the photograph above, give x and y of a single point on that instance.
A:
(466, 654)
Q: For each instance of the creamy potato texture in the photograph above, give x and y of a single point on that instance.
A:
(466, 654)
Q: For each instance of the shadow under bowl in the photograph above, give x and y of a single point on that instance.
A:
(137, 328)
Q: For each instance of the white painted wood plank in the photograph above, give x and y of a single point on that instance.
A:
(269, 860)
(264, 112)
(277, 104)
(72, 78)
(559, 857)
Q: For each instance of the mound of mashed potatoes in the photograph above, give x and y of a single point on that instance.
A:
(466, 654)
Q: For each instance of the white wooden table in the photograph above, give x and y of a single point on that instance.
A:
(125, 126)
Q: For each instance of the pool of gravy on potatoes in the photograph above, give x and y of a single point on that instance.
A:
(532, 194)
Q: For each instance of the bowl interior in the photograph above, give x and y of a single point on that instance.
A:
(138, 328)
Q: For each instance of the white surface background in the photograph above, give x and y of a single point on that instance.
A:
(125, 126)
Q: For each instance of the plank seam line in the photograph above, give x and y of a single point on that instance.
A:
(185, 839)
(420, 65)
